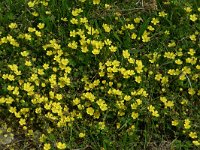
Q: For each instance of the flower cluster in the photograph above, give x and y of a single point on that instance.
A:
(79, 76)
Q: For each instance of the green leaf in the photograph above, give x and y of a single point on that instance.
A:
(117, 37)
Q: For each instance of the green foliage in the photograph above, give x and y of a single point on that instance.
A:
(91, 74)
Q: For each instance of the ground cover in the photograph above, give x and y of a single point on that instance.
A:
(91, 74)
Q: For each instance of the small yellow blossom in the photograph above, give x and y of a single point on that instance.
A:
(154, 21)
(138, 79)
(188, 9)
(102, 125)
(107, 27)
(145, 37)
(81, 135)
(30, 29)
(31, 4)
(162, 14)
(191, 91)
(195, 142)
(126, 54)
(134, 115)
(137, 20)
(47, 146)
(61, 145)
(22, 122)
(133, 36)
(107, 6)
(193, 17)
(192, 37)
(41, 25)
(175, 122)
(187, 124)
(96, 2)
(193, 135)
(113, 48)
(13, 25)
(90, 111)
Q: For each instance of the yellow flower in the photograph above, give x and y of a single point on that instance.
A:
(191, 91)
(103, 107)
(172, 44)
(31, 4)
(46, 66)
(151, 108)
(169, 55)
(35, 13)
(154, 21)
(96, 115)
(133, 36)
(162, 14)
(138, 79)
(193, 37)
(107, 6)
(30, 29)
(13, 25)
(193, 135)
(107, 27)
(188, 9)
(61, 145)
(25, 53)
(175, 122)
(73, 45)
(58, 96)
(40, 25)
(75, 12)
(48, 12)
(187, 124)
(22, 122)
(113, 48)
(130, 26)
(126, 54)
(145, 37)
(90, 111)
(64, 19)
(11, 77)
(96, 2)
(150, 28)
(47, 146)
(134, 115)
(155, 113)
(197, 143)
(137, 20)
(167, 32)
(191, 51)
(139, 101)
(178, 62)
(107, 42)
(74, 21)
(163, 99)
(76, 101)
(158, 77)
(38, 33)
(169, 104)
(27, 36)
(198, 67)
(193, 17)
(164, 80)
(102, 125)
(95, 51)
(81, 135)
(127, 98)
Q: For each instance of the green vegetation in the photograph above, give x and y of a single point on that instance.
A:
(91, 74)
